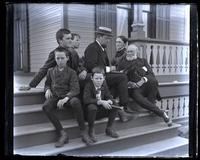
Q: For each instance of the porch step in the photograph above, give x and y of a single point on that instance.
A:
(163, 148)
(33, 96)
(128, 137)
(36, 134)
(33, 114)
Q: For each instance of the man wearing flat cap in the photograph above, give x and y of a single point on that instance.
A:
(95, 55)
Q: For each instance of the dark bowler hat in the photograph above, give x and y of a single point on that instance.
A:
(104, 30)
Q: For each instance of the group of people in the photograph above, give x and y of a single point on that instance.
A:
(85, 84)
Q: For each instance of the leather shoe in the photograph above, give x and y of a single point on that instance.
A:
(111, 133)
(92, 135)
(125, 117)
(128, 110)
(167, 119)
(62, 140)
(86, 139)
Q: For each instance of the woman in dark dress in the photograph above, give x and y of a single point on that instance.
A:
(121, 43)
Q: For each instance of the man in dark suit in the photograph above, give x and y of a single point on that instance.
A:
(95, 55)
(143, 86)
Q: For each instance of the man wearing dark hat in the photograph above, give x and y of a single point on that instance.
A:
(95, 55)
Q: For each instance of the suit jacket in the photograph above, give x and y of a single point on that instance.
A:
(62, 83)
(135, 69)
(95, 56)
(89, 95)
(73, 62)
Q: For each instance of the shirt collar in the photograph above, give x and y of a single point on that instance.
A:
(100, 45)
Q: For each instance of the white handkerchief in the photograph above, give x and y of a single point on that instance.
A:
(144, 68)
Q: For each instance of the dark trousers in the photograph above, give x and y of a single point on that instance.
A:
(96, 112)
(117, 82)
(145, 96)
(51, 104)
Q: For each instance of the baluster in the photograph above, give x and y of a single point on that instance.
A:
(167, 108)
(176, 59)
(181, 59)
(151, 57)
(186, 60)
(183, 106)
(144, 55)
(158, 58)
(164, 59)
(170, 59)
(173, 108)
(178, 106)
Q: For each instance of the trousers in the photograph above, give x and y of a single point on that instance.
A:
(97, 111)
(51, 104)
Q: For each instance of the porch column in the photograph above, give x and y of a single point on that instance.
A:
(138, 24)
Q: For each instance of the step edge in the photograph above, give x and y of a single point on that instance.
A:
(20, 110)
(103, 120)
(180, 144)
(81, 145)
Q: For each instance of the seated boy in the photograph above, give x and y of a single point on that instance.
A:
(98, 102)
(61, 89)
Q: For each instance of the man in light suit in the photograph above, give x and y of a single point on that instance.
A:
(95, 55)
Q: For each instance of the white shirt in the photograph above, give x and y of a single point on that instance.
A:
(100, 45)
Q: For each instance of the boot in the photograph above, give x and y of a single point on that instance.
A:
(85, 138)
(62, 139)
(167, 119)
(110, 132)
(92, 134)
(124, 117)
(128, 110)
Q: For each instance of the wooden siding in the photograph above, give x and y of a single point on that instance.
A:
(81, 20)
(44, 21)
(177, 22)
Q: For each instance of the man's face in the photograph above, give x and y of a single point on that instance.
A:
(61, 59)
(119, 44)
(98, 79)
(76, 42)
(66, 41)
(105, 40)
(132, 53)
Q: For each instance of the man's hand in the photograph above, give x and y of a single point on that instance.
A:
(132, 85)
(24, 88)
(61, 102)
(106, 104)
(48, 94)
(110, 102)
(82, 75)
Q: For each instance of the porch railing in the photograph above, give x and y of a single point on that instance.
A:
(178, 106)
(165, 57)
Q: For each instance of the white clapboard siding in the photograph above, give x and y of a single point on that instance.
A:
(81, 20)
(177, 22)
(44, 21)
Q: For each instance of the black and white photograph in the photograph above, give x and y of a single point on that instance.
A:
(109, 80)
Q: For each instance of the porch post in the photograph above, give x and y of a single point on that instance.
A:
(137, 32)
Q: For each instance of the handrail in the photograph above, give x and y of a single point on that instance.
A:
(151, 40)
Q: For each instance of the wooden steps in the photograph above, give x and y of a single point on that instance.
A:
(35, 135)
(138, 135)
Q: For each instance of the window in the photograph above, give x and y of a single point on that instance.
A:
(124, 19)
(162, 21)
